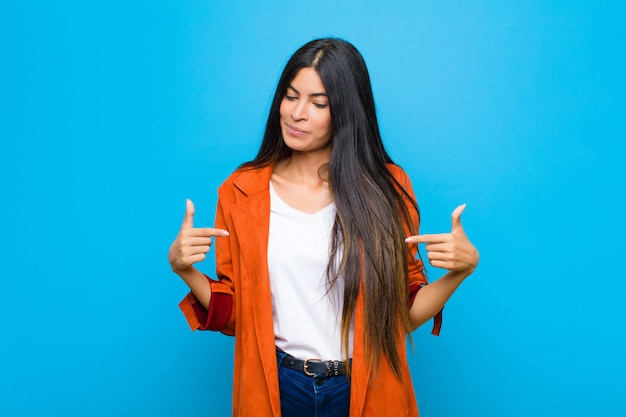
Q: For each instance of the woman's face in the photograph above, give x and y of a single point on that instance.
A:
(305, 113)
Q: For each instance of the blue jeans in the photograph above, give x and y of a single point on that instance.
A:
(312, 396)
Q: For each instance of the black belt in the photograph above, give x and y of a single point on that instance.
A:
(313, 367)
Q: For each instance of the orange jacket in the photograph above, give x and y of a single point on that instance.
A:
(241, 305)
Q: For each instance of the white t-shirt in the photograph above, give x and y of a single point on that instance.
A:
(307, 319)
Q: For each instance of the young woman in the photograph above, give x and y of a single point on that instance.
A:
(316, 244)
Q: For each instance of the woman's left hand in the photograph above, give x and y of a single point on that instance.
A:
(452, 251)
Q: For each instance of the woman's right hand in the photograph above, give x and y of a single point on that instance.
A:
(192, 244)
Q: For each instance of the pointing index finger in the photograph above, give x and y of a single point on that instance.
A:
(208, 232)
(428, 238)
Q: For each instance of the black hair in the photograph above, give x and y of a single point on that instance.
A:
(373, 209)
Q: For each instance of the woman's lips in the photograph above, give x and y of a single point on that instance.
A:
(294, 131)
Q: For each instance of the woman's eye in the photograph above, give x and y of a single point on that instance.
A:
(320, 105)
(290, 97)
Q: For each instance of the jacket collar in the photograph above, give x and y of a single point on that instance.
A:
(253, 181)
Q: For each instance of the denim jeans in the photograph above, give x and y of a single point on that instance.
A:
(302, 395)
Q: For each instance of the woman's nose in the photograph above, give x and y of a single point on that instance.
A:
(299, 112)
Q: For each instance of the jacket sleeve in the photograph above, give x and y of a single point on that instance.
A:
(220, 314)
(417, 276)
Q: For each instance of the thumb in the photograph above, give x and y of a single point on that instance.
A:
(456, 217)
(189, 212)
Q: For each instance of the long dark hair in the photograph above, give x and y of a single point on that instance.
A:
(368, 250)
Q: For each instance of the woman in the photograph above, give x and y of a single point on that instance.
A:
(312, 255)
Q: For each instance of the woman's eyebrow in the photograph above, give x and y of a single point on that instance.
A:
(310, 95)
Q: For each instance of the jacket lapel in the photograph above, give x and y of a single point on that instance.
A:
(360, 367)
(251, 218)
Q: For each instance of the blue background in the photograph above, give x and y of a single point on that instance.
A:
(113, 112)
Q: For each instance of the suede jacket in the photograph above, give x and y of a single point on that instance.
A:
(241, 306)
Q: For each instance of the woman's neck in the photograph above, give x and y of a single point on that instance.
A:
(303, 167)
(300, 182)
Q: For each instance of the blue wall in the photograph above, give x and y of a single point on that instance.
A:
(112, 113)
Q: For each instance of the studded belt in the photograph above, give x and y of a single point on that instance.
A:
(314, 366)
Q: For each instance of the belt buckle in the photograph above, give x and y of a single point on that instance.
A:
(306, 366)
